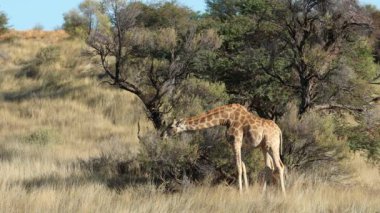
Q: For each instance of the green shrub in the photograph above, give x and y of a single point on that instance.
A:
(194, 96)
(363, 138)
(38, 27)
(172, 164)
(164, 163)
(74, 23)
(3, 22)
(311, 142)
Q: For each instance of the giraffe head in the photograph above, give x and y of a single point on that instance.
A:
(174, 128)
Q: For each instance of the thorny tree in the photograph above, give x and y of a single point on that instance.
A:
(274, 51)
(148, 60)
(314, 34)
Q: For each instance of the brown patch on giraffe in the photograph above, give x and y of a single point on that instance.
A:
(244, 119)
(237, 115)
(203, 126)
(221, 115)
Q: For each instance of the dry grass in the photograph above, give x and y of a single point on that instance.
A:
(47, 36)
(51, 122)
(94, 197)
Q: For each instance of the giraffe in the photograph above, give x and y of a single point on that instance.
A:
(240, 123)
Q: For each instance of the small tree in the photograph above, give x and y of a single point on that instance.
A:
(148, 61)
(74, 23)
(3, 22)
(276, 50)
(81, 22)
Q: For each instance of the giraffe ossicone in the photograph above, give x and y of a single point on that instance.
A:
(241, 124)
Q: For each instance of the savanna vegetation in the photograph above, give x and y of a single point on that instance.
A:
(82, 108)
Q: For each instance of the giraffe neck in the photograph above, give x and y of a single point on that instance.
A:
(206, 120)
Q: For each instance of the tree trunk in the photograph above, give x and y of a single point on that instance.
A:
(154, 114)
(156, 117)
(306, 88)
(117, 71)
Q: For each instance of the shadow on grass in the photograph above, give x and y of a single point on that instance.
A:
(6, 154)
(104, 171)
(47, 90)
(54, 181)
(115, 174)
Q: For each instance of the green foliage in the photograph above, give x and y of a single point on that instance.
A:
(172, 164)
(168, 164)
(348, 82)
(194, 96)
(74, 24)
(38, 27)
(246, 28)
(3, 22)
(79, 23)
(222, 9)
(360, 57)
(363, 138)
(170, 14)
(169, 160)
(267, 57)
(311, 142)
(149, 61)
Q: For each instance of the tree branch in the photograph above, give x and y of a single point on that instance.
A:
(338, 106)
(278, 78)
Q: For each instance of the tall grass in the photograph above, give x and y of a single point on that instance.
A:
(52, 122)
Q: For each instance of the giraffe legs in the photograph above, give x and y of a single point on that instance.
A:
(275, 154)
(237, 150)
(240, 165)
(268, 170)
(244, 175)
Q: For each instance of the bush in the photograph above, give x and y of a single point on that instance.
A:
(38, 27)
(194, 96)
(3, 22)
(164, 163)
(173, 164)
(311, 142)
(363, 138)
(169, 162)
(74, 23)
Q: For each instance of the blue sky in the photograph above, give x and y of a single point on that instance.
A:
(25, 14)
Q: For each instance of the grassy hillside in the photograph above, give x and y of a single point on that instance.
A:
(56, 115)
